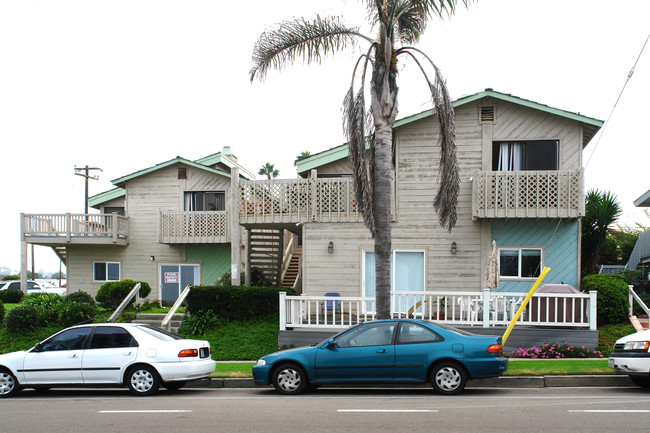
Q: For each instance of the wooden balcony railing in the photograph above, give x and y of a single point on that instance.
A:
(297, 200)
(528, 194)
(198, 227)
(75, 228)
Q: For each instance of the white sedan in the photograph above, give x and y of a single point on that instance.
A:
(631, 356)
(140, 357)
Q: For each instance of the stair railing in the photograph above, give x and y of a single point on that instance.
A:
(634, 297)
(134, 292)
(168, 318)
(286, 259)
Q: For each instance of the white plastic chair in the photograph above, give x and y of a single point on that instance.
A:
(467, 308)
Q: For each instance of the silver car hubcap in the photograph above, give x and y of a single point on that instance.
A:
(448, 378)
(289, 379)
(7, 383)
(142, 380)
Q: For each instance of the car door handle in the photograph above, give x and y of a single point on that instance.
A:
(74, 355)
(127, 353)
(381, 350)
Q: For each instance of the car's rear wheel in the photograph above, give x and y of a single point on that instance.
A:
(143, 380)
(448, 378)
(8, 383)
(642, 381)
(290, 379)
(174, 386)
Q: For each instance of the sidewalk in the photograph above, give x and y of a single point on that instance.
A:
(498, 382)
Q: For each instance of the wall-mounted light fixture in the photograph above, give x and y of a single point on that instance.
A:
(454, 247)
(152, 258)
(330, 247)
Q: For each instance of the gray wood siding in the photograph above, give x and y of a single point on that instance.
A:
(416, 225)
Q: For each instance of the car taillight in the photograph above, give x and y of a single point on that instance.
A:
(495, 348)
(188, 353)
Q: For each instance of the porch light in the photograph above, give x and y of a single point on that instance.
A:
(453, 247)
(330, 247)
(152, 258)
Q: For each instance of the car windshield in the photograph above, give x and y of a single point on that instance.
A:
(159, 333)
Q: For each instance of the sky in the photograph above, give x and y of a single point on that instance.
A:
(125, 84)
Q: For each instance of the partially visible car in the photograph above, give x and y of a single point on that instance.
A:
(140, 357)
(631, 356)
(33, 287)
(386, 351)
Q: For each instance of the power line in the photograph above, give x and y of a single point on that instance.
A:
(629, 75)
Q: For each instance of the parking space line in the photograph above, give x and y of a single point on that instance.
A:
(387, 410)
(146, 411)
(612, 411)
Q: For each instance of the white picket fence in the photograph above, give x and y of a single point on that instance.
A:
(484, 308)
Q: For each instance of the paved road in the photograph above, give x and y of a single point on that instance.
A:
(593, 409)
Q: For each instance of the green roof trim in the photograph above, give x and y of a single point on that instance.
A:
(178, 160)
(106, 196)
(218, 157)
(331, 155)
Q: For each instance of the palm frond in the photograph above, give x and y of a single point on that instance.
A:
(310, 40)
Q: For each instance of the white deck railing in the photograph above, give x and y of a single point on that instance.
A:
(70, 226)
(528, 194)
(193, 227)
(458, 308)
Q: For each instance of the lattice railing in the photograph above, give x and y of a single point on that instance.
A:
(297, 200)
(193, 227)
(532, 194)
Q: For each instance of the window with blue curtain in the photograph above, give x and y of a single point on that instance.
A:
(406, 270)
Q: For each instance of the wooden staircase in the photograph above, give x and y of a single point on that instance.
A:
(293, 270)
(265, 252)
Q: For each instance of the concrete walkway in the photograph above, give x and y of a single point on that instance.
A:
(499, 382)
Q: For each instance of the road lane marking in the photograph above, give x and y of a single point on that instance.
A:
(611, 411)
(386, 410)
(146, 411)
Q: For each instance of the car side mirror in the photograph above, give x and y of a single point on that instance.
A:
(38, 347)
(331, 344)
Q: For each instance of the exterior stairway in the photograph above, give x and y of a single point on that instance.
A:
(293, 270)
(156, 319)
(265, 252)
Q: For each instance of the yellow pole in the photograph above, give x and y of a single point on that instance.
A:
(523, 304)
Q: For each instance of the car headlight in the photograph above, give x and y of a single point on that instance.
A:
(640, 346)
(260, 363)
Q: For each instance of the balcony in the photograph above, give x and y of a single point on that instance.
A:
(58, 229)
(283, 201)
(528, 194)
(198, 227)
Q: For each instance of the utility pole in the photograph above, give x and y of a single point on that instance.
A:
(85, 172)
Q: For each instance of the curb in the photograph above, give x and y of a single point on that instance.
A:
(497, 382)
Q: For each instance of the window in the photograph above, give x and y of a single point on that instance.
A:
(107, 337)
(520, 262)
(205, 200)
(71, 339)
(114, 209)
(410, 333)
(377, 334)
(525, 155)
(106, 271)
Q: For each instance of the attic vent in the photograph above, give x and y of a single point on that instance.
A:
(182, 173)
(487, 114)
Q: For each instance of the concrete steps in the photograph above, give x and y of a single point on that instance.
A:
(156, 319)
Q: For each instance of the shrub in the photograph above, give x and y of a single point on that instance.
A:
(75, 313)
(2, 312)
(46, 304)
(11, 296)
(23, 318)
(111, 294)
(199, 323)
(235, 303)
(556, 351)
(80, 298)
(613, 305)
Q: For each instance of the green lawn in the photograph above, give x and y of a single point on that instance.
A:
(557, 367)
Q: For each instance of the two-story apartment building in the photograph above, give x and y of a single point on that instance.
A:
(521, 186)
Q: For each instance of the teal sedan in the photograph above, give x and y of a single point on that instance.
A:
(386, 351)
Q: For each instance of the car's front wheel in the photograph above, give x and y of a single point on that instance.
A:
(8, 383)
(642, 381)
(143, 380)
(448, 378)
(290, 379)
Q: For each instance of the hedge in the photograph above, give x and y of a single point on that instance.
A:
(111, 294)
(235, 303)
(613, 304)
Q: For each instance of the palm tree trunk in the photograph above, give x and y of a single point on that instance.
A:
(383, 238)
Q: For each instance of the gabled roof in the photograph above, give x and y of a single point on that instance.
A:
(644, 200)
(227, 158)
(178, 160)
(590, 125)
(105, 196)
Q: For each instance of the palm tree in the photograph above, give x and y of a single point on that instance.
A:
(369, 127)
(303, 155)
(602, 209)
(269, 171)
